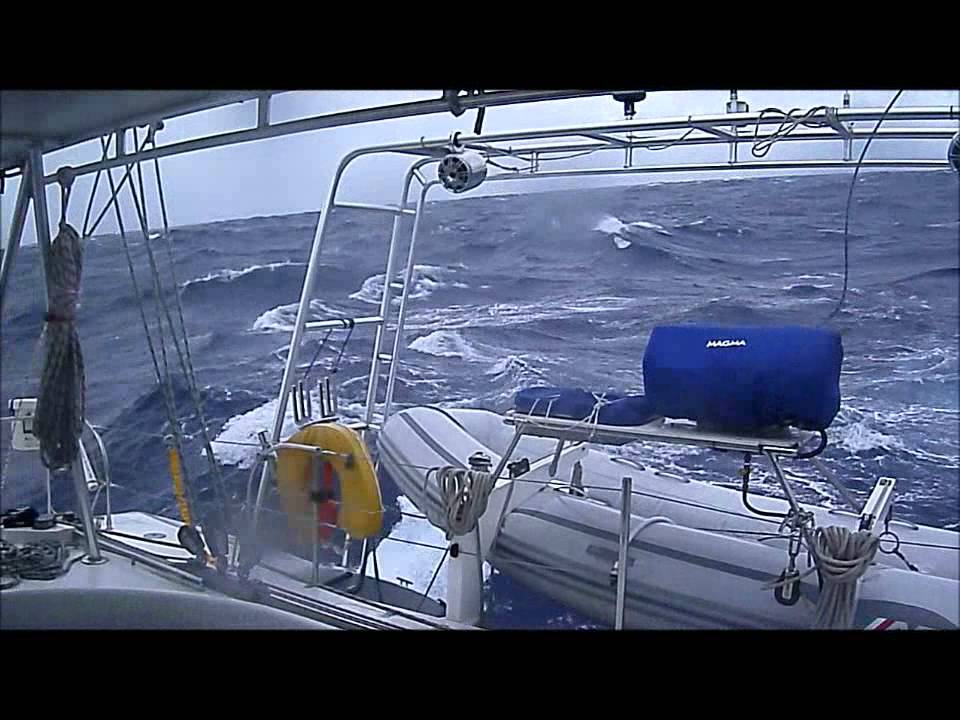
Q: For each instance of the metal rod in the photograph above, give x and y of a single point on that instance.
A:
(433, 578)
(331, 120)
(374, 381)
(106, 473)
(390, 209)
(315, 576)
(523, 152)
(289, 371)
(794, 505)
(316, 485)
(343, 323)
(951, 112)
(83, 501)
(504, 459)
(16, 232)
(263, 111)
(476, 536)
(713, 167)
(307, 448)
(625, 495)
(847, 140)
(40, 217)
(144, 558)
(404, 298)
(841, 488)
(376, 570)
(552, 471)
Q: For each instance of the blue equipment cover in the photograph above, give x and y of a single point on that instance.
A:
(577, 404)
(739, 379)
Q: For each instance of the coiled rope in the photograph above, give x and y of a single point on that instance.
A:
(464, 494)
(790, 122)
(33, 561)
(61, 400)
(842, 558)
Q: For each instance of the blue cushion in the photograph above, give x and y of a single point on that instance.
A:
(578, 404)
(744, 378)
(570, 403)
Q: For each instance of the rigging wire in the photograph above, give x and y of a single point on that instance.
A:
(846, 214)
(166, 388)
(187, 366)
(343, 346)
(316, 355)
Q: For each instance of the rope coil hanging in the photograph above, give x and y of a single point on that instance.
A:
(61, 401)
(464, 494)
(842, 558)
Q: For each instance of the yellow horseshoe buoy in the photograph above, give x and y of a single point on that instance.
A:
(359, 508)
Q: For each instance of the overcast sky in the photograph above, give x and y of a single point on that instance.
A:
(293, 174)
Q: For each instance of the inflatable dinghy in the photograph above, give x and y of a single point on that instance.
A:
(696, 557)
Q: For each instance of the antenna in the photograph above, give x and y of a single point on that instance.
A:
(630, 100)
(847, 141)
(734, 105)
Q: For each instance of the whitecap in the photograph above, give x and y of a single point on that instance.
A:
(516, 363)
(859, 437)
(695, 223)
(455, 317)
(447, 343)
(237, 443)
(283, 318)
(227, 274)
(426, 280)
(614, 226)
(804, 286)
(649, 226)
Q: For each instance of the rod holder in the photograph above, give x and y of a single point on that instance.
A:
(302, 403)
(327, 391)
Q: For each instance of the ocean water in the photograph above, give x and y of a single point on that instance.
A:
(559, 288)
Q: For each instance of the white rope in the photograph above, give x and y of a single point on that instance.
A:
(842, 558)
(464, 494)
